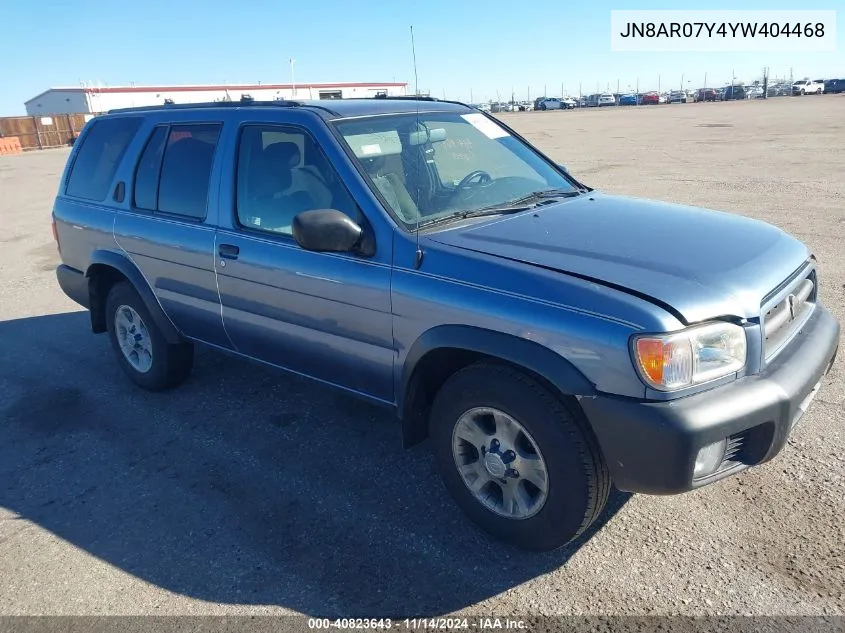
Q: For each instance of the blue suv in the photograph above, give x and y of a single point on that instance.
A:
(548, 339)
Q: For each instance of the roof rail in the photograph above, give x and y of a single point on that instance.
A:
(405, 97)
(418, 98)
(210, 104)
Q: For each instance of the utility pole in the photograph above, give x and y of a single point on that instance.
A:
(705, 81)
(545, 92)
(292, 80)
(682, 82)
(580, 93)
(470, 95)
(561, 90)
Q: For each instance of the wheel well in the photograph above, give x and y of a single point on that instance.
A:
(429, 375)
(101, 278)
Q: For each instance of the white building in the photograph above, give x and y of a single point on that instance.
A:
(95, 100)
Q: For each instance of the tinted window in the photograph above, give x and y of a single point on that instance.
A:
(282, 172)
(186, 170)
(146, 174)
(99, 156)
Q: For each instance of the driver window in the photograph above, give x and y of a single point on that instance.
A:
(282, 172)
(466, 149)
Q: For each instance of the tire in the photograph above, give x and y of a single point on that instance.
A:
(576, 477)
(156, 365)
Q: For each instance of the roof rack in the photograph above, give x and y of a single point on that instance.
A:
(281, 103)
(419, 98)
(405, 97)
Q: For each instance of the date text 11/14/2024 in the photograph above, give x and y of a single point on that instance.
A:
(446, 624)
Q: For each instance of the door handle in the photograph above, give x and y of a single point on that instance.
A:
(228, 251)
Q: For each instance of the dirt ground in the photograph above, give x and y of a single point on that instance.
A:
(247, 491)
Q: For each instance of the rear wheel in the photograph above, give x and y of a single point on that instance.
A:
(520, 463)
(141, 348)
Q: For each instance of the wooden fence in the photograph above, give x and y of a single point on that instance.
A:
(41, 132)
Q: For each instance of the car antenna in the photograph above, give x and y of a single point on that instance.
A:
(418, 257)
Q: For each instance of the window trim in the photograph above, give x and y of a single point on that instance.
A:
(80, 145)
(167, 214)
(237, 225)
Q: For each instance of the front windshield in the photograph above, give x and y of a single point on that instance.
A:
(435, 165)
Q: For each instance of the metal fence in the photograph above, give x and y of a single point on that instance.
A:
(41, 132)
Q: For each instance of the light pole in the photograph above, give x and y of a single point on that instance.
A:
(292, 80)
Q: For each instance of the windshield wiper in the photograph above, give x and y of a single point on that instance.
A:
(525, 202)
(511, 206)
(539, 195)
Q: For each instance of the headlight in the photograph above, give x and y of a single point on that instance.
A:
(699, 354)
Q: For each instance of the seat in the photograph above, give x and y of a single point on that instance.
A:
(271, 204)
(316, 178)
(391, 186)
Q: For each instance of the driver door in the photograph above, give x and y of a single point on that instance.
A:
(323, 315)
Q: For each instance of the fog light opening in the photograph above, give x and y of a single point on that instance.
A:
(709, 459)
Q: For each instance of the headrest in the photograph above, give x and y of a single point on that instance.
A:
(283, 154)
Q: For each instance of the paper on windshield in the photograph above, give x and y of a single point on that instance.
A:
(484, 125)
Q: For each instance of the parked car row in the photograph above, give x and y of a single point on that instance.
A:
(726, 93)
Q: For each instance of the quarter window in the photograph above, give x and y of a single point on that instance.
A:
(98, 157)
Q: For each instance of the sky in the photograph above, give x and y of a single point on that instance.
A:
(465, 49)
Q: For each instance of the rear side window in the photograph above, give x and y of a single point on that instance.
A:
(146, 175)
(174, 171)
(99, 156)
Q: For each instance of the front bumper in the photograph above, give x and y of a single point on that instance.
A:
(650, 447)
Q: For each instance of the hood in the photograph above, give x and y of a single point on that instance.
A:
(700, 264)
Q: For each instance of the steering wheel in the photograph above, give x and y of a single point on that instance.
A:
(475, 178)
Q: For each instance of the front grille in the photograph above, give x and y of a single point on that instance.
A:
(791, 308)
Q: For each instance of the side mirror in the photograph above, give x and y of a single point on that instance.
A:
(563, 167)
(326, 230)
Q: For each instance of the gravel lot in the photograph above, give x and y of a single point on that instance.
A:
(248, 492)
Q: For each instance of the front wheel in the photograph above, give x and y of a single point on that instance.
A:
(141, 348)
(517, 460)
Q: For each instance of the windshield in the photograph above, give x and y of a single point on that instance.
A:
(429, 166)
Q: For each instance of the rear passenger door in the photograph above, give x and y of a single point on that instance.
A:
(324, 315)
(165, 227)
